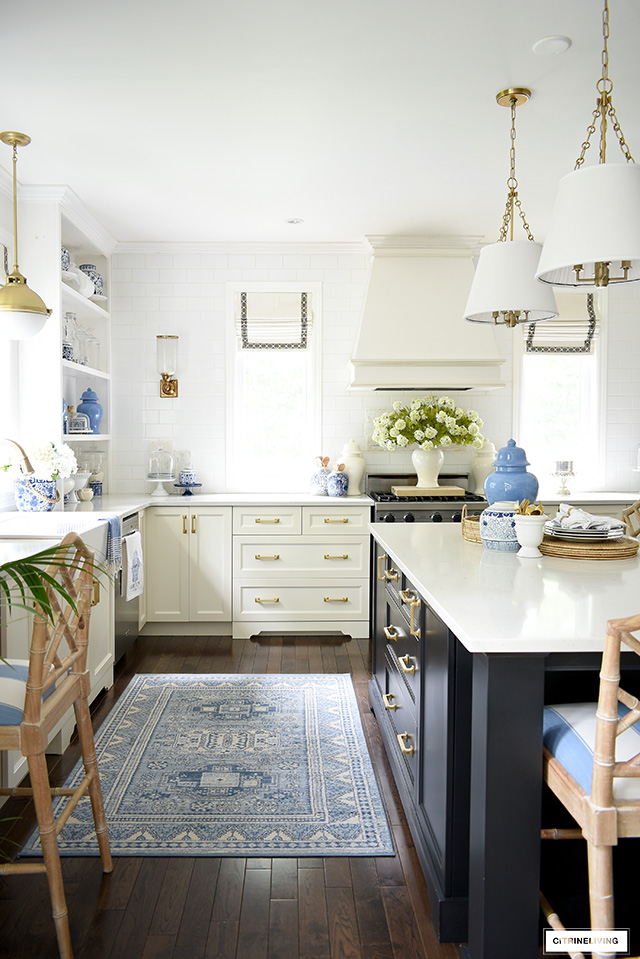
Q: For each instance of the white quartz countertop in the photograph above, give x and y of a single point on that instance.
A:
(496, 602)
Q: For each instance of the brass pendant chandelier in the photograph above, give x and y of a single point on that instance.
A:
(505, 290)
(594, 234)
(22, 312)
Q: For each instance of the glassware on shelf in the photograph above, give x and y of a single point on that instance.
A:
(160, 469)
(92, 347)
(69, 342)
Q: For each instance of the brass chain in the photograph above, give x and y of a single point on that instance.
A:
(512, 188)
(604, 106)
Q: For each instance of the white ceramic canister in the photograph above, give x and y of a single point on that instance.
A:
(481, 466)
(354, 465)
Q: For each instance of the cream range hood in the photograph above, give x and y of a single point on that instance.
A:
(412, 335)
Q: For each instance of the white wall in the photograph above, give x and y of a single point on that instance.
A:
(181, 289)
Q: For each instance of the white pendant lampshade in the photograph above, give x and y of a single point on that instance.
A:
(505, 289)
(596, 220)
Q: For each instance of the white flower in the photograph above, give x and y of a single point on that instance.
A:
(474, 429)
(51, 461)
(400, 424)
(394, 431)
(478, 443)
(414, 416)
(445, 441)
(427, 445)
(441, 416)
(450, 423)
(391, 445)
(419, 435)
(430, 432)
(402, 440)
(397, 405)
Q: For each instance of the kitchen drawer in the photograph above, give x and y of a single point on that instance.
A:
(403, 650)
(335, 520)
(403, 721)
(270, 520)
(292, 557)
(306, 601)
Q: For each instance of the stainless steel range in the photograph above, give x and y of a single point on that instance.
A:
(389, 508)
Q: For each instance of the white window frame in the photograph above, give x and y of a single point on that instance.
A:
(273, 286)
(601, 377)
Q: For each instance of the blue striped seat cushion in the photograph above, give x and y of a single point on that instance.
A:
(569, 733)
(13, 683)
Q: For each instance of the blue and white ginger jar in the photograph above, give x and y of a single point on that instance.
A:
(510, 479)
(498, 527)
(92, 273)
(337, 483)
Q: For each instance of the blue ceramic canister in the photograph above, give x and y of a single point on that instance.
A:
(91, 408)
(337, 482)
(510, 479)
(318, 480)
(498, 528)
(92, 273)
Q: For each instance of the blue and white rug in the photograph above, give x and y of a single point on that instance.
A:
(234, 765)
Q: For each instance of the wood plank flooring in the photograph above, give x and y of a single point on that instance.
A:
(166, 908)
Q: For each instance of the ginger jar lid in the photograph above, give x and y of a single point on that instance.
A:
(89, 396)
(511, 457)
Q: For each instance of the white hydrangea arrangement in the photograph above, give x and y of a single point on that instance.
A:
(430, 422)
(51, 461)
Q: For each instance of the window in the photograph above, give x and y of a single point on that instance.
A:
(274, 414)
(560, 415)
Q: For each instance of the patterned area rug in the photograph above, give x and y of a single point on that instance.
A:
(234, 765)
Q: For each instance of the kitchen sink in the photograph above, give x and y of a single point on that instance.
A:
(55, 526)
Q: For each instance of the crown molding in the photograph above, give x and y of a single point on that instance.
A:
(81, 221)
(433, 245)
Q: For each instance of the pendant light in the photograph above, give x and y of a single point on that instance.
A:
(505, 290)
(594, 234)
(22, 312)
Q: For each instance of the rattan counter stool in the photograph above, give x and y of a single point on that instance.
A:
(592, 765)
(34, 696)
(631, 517)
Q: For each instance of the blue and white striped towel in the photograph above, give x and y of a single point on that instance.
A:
(114, 543)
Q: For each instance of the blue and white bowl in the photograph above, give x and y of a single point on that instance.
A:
(35, 495)
(498, 527)
(89, 270)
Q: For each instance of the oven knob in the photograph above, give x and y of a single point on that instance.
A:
(389, 518)
(456, 518)
(409, 518)
(436, 517)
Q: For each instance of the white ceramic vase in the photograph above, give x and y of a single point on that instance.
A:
(427, 464)
(354, 466)
(529, 532)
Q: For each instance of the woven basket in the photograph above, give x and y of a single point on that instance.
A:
(470, 526)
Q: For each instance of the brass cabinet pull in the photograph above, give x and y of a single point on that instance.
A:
(391, 575)
(345, 519)
(343, 556)
(193, 522)
(381, 560)
(96, 593)
(343, 599)
(390, 632)
(406, 665)
(184, 522)
(276, 519)
(387, 701)
(402, 739)
(408, 597)
(276, 599)
(275, 556)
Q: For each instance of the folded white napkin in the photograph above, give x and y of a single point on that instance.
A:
(571, 517)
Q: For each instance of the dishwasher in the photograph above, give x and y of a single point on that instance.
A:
(126, 612)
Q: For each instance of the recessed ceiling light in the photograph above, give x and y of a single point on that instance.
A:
(551, 46)
(294, 220)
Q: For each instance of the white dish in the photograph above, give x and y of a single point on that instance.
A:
(85, 284)
(70, 277)
(98, 298)
(583, 535)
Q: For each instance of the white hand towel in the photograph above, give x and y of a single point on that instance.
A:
(132, 565)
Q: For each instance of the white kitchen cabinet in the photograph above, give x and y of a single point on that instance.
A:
(188, 564)
(301, 569)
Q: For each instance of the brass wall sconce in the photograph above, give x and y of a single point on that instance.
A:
(167, 360)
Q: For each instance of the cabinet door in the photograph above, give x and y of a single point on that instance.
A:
(210, 564)
(100, 654)
(167, 564)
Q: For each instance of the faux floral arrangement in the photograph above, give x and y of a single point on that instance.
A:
(51, 461)
(430, 422)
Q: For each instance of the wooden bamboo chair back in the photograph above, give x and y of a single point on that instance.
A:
(58, 679)
(631, 517)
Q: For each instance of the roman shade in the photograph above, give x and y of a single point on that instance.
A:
(273, 321)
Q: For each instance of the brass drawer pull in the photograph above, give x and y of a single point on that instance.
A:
(381, 559)
(391, 632)
(406, 665)
(387, 701)
(275, 600)
(402, 739)
(275, 556)
(96, 593)
(193, 522)
(184, 522)
(343, 599)
(343, 556)
(408, 597)
(345, 519)
(276, 519)
(391, 575)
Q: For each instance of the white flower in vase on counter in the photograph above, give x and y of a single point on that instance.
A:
(53, 462)
(434, 421)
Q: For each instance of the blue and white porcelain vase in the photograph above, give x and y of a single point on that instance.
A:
(318, 480)
(337, 482)
(35, 495)
(498, 527)
(98, 283)
(91, 408)
(510, 479)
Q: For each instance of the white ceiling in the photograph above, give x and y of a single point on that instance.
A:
(213, 120)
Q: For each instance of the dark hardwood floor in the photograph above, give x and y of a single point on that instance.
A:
(175, 908)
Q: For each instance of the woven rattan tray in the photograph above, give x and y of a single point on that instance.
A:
(623, 548)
